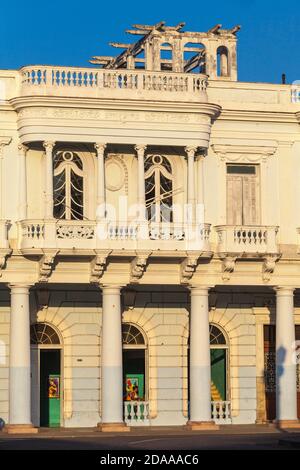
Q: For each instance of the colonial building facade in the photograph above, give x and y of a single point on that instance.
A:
(150, 214)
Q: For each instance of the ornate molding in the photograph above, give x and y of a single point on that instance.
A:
(98, 265)
(188, 266)
(46, 265)
(138, 266)
(244, 153)
(117, 160)
(4, 253)
(269, 266)
(4, 141)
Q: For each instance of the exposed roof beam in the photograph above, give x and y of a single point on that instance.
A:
(119, 44)
(215, 29)
(194, 61)
(235, 29)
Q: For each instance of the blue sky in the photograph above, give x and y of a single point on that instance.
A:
(69, 32)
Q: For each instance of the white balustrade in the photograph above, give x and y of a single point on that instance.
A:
(247, 239)
(44, 79)
(221, 412)
(136, 413)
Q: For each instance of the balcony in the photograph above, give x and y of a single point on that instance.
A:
(112, 84)
(82, 237)
(247, 240)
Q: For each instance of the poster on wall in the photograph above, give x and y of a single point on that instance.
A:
(53, 387)
(134, 386)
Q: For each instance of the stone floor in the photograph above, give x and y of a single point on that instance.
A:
(155, 438)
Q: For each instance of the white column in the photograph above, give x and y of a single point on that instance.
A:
(286, 387)
(191, 197)
(48, 212)
(140, 149)
(100, 213)
(22, 182)
(19, 361)
(111, 361)
(200, 368)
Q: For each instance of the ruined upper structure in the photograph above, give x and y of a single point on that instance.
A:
(171, 49)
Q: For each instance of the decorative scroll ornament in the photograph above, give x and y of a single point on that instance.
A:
(269, 266)
(4, 253)
(228, 265)
(138, 266)
(188, 266)
(98, 265)
(46, 265)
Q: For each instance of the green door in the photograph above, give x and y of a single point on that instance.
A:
(50, 388)
(218, 374)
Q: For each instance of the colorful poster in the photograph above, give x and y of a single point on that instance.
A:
(134, 387)
(53, 387)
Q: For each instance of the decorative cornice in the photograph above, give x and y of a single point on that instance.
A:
(246, 152)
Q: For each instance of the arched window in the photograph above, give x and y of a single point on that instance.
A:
(222, 62)
(42, 333)
(158, 188)
(68, 186)
(131, 335)
(166, 57)
(194, 57)
(216, 336)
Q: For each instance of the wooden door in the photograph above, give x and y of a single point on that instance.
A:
(243, 206)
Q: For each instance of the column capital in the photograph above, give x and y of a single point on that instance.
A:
(191, 150)
(284, 290)
(140, 148)
(49, 145)
(100, 147)
(23, 287)
(111, 288)
(200, 290)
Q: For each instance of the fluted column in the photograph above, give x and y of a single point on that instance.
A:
(48, 211)
(22, 182)
(191, 196)
(111, 362)
(100, 213)
(140, 149)
(286, 385)
(19, 362)
(200, 368)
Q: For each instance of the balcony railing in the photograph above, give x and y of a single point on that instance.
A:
(221, 412)
(247, 239)
(103, 83)
(136, 413)
(85, 234)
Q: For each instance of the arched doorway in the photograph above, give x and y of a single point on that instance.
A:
(135, 380)
(219, 364)
(46, 386)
